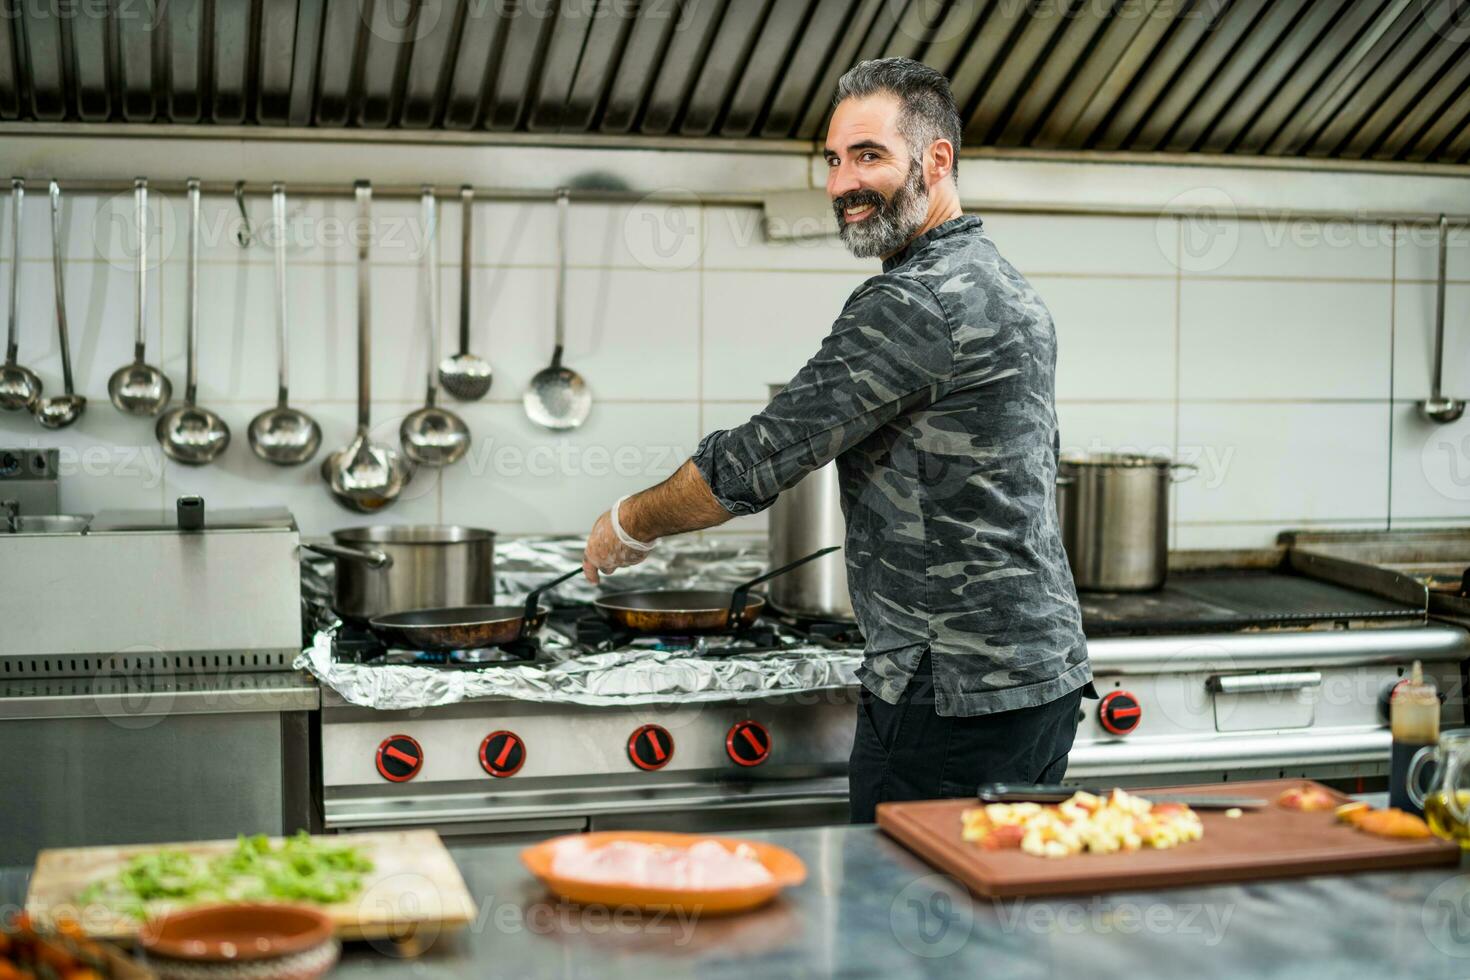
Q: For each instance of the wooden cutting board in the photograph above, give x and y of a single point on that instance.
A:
(1270, 843)
(414, 887)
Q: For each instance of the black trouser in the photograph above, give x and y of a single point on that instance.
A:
(906, 751)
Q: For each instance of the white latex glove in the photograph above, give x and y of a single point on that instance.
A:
(608, 550)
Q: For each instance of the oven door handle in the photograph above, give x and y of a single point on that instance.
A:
(1260, 683)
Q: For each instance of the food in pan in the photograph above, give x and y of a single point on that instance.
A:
(704, 865)
(301, 869)
(1392, 822)
(65, 954)
(1306, 797)
(1085, 822)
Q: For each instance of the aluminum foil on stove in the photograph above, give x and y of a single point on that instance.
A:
(521, 564)
(568, 675)
(619, 677)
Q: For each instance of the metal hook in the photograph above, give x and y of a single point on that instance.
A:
(245, 235)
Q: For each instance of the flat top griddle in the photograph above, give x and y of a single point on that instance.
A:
(1231, 600)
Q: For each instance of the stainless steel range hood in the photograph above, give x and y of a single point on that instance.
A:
(1345, 79)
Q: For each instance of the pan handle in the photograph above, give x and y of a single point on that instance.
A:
(737, 600)
(533, 600)
(374, 559)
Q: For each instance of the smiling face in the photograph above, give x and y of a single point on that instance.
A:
(877, 187)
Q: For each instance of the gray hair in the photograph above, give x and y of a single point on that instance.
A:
(927, 111)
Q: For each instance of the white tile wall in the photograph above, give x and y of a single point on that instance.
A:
(1413, 340)
(1431, 466)
(1284, 358)
(1301, 340)
(1287, 248)
(1418, 252)
(1116, 338)
(761, 327)
(1283, 460)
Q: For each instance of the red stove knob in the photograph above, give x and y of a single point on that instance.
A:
(651, 747)
(748, 743)
(502, 754)
(399, 758)
(1119, 713)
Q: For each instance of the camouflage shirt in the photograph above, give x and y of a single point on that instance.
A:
(933, 391)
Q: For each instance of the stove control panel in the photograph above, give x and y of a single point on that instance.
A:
(748, 743)
(1119, 713)
(502, 754)
(399, 758)
(650, 747)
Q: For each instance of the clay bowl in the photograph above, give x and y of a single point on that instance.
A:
(291, 942)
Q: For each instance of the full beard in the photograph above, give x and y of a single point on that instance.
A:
(894, 220)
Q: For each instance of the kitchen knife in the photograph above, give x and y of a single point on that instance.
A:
(1028, 793)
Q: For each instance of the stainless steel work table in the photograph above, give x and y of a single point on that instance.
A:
(869, 908)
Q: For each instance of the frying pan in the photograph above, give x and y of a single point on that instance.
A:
(692, 612)
(465, 627)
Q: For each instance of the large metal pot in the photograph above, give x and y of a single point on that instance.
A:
(386, 569)
(1114, 510)
(804, 519)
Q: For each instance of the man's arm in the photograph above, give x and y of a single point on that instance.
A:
(680, 504)
(887, 353)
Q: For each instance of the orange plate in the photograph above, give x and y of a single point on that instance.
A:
(786, 870)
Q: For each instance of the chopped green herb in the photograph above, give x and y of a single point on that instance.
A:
(301, 869)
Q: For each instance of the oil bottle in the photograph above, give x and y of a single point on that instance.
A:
(1414, 719)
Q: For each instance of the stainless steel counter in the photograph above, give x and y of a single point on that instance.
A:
(869, 908)
(124, 758)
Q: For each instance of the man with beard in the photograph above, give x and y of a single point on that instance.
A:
(934, 393)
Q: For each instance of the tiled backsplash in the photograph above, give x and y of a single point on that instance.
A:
(1283, 358)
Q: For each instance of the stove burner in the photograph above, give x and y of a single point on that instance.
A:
(833, 634)
(596, 633)
(358, 645)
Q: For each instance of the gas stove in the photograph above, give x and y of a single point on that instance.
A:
(1247, 669)
(1237, 669)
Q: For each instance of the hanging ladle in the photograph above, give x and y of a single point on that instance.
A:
(363, 475)
(433, 436)
(558, 397)
(1438, 408)
(189, 434)
(140, 388)
(464, 375)
(59, 411)
(283, 435)
(20, 389)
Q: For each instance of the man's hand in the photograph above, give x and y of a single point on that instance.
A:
(605, 553)
(680, 504)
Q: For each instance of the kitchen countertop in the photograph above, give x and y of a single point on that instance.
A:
(870, 908)
(202, 691)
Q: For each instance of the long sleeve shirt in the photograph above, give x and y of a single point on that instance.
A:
(934, 393)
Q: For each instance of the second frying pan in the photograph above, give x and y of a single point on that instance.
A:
(465, 627)
(686, 612)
